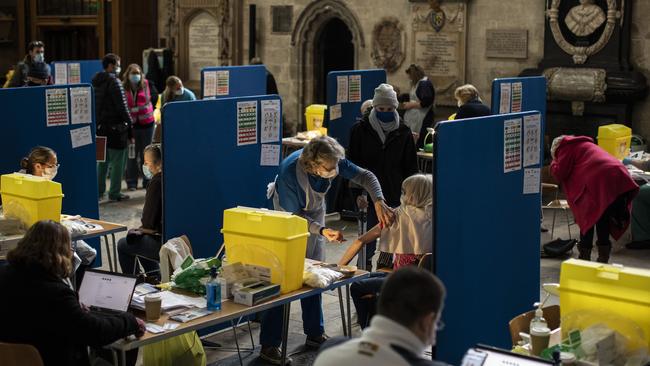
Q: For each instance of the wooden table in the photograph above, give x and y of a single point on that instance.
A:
(231, 311)
(108, 228)
(425, 162)
(291, 144)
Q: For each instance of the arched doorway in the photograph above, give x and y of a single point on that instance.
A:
(320, 20)
(333, 51)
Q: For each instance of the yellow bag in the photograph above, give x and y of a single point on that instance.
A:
(185, 349)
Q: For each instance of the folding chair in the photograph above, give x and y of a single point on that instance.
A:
(558, 205)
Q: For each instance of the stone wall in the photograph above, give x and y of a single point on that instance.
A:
(281, 59)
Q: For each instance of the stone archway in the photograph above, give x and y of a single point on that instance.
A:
(307, 29)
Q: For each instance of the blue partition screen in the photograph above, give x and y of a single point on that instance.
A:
(24, 125)
(486, 231)
(81, 71)
(346, 91)
(207, 171)
(233, 81)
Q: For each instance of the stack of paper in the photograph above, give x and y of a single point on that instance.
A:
(170, 301)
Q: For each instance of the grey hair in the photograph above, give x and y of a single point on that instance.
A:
(556, 144)
(318, 150)
(465, 93)
(417, 190)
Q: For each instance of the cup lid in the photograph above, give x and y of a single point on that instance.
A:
(540, 331)
(152, 297)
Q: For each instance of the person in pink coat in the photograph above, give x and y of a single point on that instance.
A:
(599, 190)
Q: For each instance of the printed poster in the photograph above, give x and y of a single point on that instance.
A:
(74, 73)
(270, 127)
(80, 105)
(56, 106)
(511, 145)
(246, 123)
(517, 97)
(531, 180)
(504, 103)
(532, 139)
(354, 87)
(335, 112)
(81, 137)
(223, 82)
(342, 89)
(60, 74)
(270, 155)
(209, 83)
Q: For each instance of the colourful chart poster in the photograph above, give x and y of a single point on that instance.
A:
(209, 83)
(354, 87)
(270, 127)
(74, 73)
(60, 74)
(342, 89)
(223, 82)
(246, 123)
(56, 106)
(516, 97)
(80, 105)
(511, 145)
(504, 103)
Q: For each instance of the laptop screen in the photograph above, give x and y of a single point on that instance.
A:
(488, 356)
(106, 290)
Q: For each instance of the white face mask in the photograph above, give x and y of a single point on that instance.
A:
(50, 173)
(330, 174)
(179, 91)
(460, 104)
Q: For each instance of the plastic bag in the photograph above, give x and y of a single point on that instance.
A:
(194, 277)
(320, 277)
(185, 349)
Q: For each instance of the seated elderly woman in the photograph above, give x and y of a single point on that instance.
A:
(470, 104)
(599, 190)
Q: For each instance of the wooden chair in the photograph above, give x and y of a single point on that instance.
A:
(14, 354)
(521, 323)
(557, 205)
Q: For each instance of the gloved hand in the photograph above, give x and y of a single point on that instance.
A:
(627, 161)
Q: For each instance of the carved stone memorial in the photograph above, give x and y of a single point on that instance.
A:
(388, 44)
(590, 81)
(203, 42)
(506, 43)
(439, 39)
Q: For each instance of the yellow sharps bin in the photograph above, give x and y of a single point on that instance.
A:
(272, 239)
(615, 139)
(30, 198)
(590, 291)
(314, 117)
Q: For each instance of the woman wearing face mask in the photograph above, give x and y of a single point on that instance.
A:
(174, 92)
(42, 162)
(470, 104)
(300, 188)
(141, 97)
(145, 241)
(383, 144)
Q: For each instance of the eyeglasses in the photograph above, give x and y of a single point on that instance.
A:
(52, 165)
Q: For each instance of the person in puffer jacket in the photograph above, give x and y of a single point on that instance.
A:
(113, 122)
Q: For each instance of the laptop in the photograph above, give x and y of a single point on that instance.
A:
(489, 356)
(108, 292)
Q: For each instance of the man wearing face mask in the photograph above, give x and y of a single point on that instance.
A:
(383, 144)
(407, 320)
(114, 122)
(300, 188)
(36, 54)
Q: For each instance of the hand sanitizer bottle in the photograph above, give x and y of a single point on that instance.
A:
(538, 321)
(213, 291)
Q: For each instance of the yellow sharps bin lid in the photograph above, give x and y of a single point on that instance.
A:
(614, 131)
(29, 186)
(263, 223)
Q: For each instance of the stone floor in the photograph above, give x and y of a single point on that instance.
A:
(128, 213)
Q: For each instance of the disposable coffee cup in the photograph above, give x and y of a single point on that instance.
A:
(152, 305)
(539, 338)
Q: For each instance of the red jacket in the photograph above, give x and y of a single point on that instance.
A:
(592, 180)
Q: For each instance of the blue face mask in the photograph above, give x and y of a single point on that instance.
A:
(147, 173)
(135, 78)
(39, 57)
(385, 116)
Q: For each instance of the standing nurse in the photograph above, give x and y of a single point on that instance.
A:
(300, 187)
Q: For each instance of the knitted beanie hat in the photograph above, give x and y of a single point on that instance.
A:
(385, 95)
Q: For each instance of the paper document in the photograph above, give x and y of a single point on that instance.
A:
(270, 155)
(80, 105)
(270, 130)
(335, 112)
(342, 89)
(532, 181)
(60, 74)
